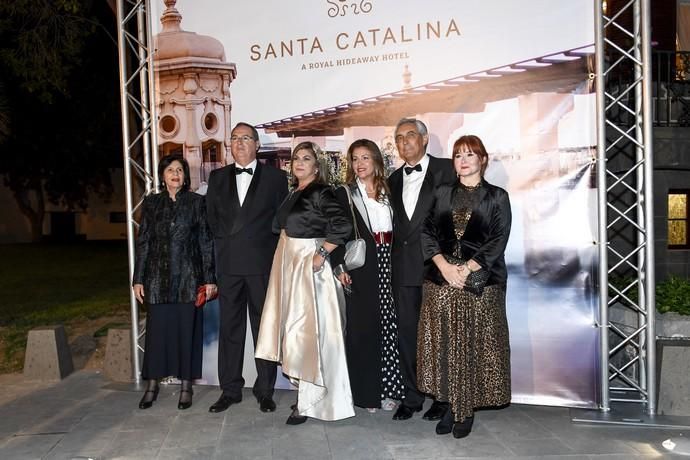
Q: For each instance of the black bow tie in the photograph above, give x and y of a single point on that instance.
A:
(239, 171)
(409, 169)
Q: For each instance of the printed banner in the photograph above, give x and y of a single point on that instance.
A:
(517, 74)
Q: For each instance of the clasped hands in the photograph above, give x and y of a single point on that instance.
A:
(455, 275)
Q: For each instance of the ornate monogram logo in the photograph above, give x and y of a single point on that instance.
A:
(345, 7)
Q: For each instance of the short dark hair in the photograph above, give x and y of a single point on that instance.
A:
(255, 133)
(167, 161)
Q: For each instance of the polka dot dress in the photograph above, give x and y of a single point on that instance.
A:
(391, 385)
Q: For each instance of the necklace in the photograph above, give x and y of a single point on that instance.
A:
(471, 187)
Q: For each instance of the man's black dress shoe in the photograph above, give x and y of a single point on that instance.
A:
(436, 411)
(185, 402)
(149, 397)
(404, 412)
(266, 404)
(460, 430)
(223, 403)
(445, 426)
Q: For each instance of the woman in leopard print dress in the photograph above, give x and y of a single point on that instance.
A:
(463, 353)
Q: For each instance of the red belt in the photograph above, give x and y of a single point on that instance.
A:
(383, 237)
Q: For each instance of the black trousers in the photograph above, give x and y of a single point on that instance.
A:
(408, 301)
(237, 296)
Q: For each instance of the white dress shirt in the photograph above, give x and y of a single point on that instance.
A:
(379, 213)
(412, 184)
(243, 180)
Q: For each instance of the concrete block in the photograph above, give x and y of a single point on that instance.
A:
(673, 356)
(48, 355)
(673, 385)
(118, 355)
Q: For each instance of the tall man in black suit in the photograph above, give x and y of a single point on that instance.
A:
(412, 187)
(242, 200)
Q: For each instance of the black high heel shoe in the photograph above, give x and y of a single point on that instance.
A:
(149, 397)
(445, 425)
(182, 405)
(461, 430)
(185, 401)
(295, 418)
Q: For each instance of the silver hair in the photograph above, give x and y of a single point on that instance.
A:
(421, 127)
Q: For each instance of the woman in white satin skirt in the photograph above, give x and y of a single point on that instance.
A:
(303, 316)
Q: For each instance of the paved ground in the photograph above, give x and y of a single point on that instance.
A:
(85, 417)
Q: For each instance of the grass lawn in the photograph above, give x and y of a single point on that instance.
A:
(47, 284)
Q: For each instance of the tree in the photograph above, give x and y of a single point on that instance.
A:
(4, 114)
(61, 65)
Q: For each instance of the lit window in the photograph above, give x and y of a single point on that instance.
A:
(678, 219)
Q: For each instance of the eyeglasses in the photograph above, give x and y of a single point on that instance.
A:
(407, 136)
(244, 138)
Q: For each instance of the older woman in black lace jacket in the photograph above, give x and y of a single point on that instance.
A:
(174, 256)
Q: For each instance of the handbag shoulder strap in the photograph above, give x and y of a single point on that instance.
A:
(354, 219)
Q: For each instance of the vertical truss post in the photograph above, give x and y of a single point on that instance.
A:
(139, 145)
(648, 136)
(601, 207)
(625, 203)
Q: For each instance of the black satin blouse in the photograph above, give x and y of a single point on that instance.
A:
(314, 212)
(486, 234)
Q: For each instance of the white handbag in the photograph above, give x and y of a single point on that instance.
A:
(355, 250)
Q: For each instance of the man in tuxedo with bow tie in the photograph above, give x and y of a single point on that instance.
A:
(241, 201)
(412, 188)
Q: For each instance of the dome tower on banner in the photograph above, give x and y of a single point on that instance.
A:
(192, 96)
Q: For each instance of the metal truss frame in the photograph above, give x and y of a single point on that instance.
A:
(140, 149)
(625, 203)
(624, 180)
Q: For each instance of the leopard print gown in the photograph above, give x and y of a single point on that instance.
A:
(463, 353)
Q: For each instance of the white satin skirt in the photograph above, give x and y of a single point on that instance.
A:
(302, 329)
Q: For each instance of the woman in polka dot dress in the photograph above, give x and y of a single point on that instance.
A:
(371, 334)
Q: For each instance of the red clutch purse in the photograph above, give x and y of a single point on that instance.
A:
(201, 298)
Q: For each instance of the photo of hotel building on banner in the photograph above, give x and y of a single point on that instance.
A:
(192, 97)
(537, 119)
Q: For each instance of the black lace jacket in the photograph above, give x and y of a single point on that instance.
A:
(174, 249)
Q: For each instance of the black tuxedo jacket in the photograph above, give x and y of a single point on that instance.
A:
(243, 236)
(406, 254)
(486, 234)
